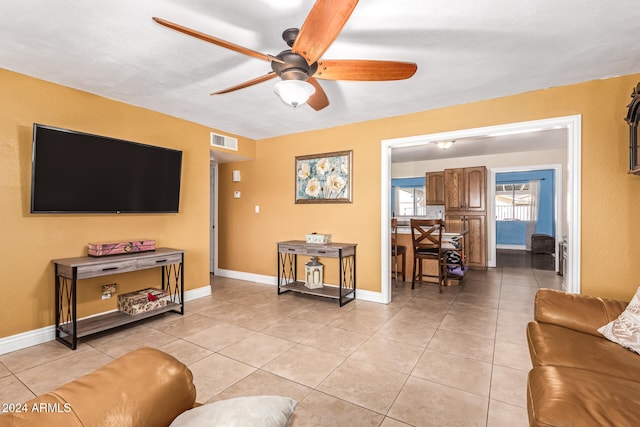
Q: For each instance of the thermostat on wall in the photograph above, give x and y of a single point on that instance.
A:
(236, 194)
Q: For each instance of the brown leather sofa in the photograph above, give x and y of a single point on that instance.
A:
(579, 378)
(146, 387)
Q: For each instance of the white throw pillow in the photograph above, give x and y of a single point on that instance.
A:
(625, 330)
(250, 411)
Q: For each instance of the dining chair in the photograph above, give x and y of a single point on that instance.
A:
(426, 237)
(397, 251)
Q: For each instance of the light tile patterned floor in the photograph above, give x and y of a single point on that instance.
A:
(427, 359)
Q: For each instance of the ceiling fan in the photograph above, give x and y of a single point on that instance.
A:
(300, 66)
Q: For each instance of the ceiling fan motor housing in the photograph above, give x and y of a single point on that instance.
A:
(295, 67)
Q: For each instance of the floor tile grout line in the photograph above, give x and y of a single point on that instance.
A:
(539, 280)
(493, 358)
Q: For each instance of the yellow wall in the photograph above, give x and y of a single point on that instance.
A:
(610, 197)
(29, 242)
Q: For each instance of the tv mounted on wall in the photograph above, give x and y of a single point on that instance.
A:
(76, 172)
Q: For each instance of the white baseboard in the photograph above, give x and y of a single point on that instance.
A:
(249, 277)
(372, 296)
(48, 333)
(192, 294)
(512, 247)
(27, 339)
(361, 294)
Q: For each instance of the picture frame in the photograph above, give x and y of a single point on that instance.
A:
(324, 178)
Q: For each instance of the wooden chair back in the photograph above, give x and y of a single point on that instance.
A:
(394, 232)
(426, 236)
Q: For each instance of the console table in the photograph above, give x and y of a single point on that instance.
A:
(69, 270)
(288, 268)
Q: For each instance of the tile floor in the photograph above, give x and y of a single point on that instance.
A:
(453, 359)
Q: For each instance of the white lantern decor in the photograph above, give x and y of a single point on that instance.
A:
(313, 274)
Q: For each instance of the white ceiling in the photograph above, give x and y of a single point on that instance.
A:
(466, 51)
(540, 140)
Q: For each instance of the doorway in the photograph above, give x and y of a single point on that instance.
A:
(572, 124)
(551, 188)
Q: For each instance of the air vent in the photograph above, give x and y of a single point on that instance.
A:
(224, 141)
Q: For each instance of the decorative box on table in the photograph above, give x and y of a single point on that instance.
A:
(141, 301)
(318, 238)
(115, 248)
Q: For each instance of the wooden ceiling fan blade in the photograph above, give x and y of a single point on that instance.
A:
(365, 70)
(216, 41)
(322, 26)
(319, 99)
(251, 82)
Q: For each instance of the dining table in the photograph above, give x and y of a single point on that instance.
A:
(449, 240)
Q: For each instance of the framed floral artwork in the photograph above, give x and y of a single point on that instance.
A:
(324, 178)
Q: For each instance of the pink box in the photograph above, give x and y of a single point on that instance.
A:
(115, 248)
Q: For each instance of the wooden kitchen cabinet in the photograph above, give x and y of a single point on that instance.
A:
(465, 189)
(476, 247)
(475, 250)
(435, 188)
(475, 180)
(465, 205)
(454, 190)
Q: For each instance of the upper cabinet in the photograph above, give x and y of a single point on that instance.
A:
(465, 189)
(435, 188)
(476, 187)
(454, 190)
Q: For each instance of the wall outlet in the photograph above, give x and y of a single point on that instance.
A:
(108, 289)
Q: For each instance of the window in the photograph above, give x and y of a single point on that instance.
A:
(513, 202)
(408, 197)
(410, 201)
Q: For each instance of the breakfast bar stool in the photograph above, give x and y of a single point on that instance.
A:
(397, 251)
(426, 236)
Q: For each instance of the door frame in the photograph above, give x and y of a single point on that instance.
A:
(573, 124)
(213, 216)
(557, 209)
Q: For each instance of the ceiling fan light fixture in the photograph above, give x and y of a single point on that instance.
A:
(294, 92)
(443, 145)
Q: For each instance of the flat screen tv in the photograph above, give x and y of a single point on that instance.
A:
(76, 172)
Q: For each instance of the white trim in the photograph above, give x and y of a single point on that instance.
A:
(361, 294)
(557, 213)
(365, 295)
(511, 248)
(192, 294)
(213, 215)
(249, 277)
(573, 124)
(574, 200)
(48, 333)
(385, 229)
(27, 339)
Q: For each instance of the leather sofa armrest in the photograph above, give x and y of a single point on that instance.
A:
(579, 312)
(145, 387)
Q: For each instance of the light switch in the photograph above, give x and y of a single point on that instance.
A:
(236, 194)
(236, 176)
(257, 208)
